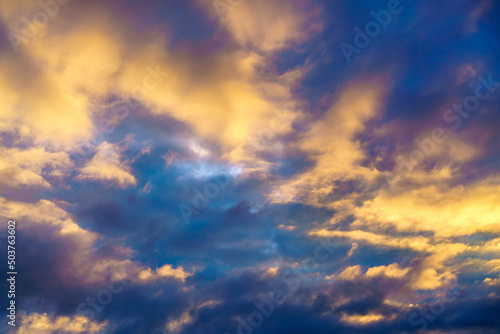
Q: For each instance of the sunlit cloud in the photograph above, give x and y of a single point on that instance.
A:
(222, 164)
(334, 148)
(45, 324)
(106, 166)
(165, 271)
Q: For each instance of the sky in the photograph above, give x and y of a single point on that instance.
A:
(250, 166)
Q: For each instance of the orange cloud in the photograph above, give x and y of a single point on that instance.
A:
(332, 144)
(45, 324)
(106, 166)
(165, 271)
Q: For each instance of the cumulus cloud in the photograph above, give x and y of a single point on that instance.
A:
(31, 167)
(81, 262)
(461, 210)
(350, 273)
(48, 324)
(46, 213)
(107, 166)
(243, 96)
(164, 271)
(267, 25)
(392, 271)
(333, 146)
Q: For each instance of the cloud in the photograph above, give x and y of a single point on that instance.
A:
(430, 272)
(492, 281)
(80, 263)
(37, 109)
(333, 146)
(239, 88)
(45, 324)
(391, 271)
(165, 271)
(268, 25)
(271, 272)
(476, 14)
(350, 273)
(354, 247)
(462, 210)
(32, 166)
(107, 166)
(415, 243)
(175, 326)
(432, 163)
(287, 227)
(261, 94)
(360, 320)
(46, 213)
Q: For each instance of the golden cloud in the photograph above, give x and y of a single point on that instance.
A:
(31, 166)
(44, 324)
(106, 166)
(332, 144)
